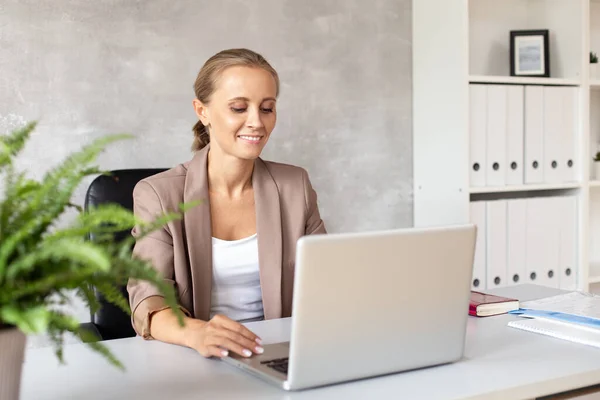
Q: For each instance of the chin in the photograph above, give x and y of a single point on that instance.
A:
(250, 155)
(246, 154)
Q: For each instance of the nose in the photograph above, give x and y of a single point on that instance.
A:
(254, 120)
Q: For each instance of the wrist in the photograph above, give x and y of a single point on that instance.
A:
(190, 330)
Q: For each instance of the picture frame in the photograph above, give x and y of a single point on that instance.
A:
(530, 53)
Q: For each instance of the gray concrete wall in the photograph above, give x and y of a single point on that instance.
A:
(88, 68)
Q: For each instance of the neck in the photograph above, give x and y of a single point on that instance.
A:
(228, 175)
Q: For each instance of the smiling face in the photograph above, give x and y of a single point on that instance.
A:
(241, 111)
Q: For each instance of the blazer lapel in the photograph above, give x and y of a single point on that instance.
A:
(198, 233)
(268, 228)
(198, 236)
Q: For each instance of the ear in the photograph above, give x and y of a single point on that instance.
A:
(201, 110)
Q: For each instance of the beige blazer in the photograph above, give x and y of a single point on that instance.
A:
(286, 209)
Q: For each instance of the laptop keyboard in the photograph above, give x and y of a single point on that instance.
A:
(278, 364)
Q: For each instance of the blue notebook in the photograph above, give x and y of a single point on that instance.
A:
(579, 320)
(574, 317)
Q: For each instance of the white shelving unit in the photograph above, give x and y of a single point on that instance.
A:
(442, 191)
(592, 91)
(525, 188)
(568, 23)
(518, 80)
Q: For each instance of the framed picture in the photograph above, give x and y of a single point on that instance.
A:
(529, 53)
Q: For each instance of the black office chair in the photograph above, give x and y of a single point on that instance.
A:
(110, 322)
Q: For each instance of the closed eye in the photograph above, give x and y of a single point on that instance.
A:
(241, 110)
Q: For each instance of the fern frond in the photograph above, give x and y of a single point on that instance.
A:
(100, 349)
(103, 219)
(17, 190)
(77, 207)
(29, 320)
(51, 198)
(137, 269)
(60, 323)
(40, 265)
(145, 228)
(113, 295)
(77, 252)
(47, 284)
(57, 339)
(13, 143)
(86, 292)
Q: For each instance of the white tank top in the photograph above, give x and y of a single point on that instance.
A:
(236, 291)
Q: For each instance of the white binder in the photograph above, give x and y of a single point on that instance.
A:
(553, 132)
(477, 134)
(542, 242)
(534, 134)
(496, 135)
(477, 217)
(549, 253)
(516, 241)
(567, 216)
(570, 111)
(496, 243)
(514, 135)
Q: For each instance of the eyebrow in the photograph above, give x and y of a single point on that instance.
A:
(247, 99)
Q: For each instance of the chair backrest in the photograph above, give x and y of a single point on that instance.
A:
(111, 321)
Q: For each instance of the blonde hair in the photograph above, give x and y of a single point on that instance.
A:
(205, 83)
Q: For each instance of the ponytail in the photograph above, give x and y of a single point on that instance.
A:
(201, 137)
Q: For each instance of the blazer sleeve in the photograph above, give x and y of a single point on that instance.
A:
(144, 298)
(314, 223)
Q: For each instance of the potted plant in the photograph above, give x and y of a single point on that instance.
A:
(41, 263)
(593, 65)
(597, 165)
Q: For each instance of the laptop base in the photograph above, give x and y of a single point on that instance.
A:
(258, 364)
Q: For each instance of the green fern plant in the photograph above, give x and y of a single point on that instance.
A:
(593, 58)
(40, 264)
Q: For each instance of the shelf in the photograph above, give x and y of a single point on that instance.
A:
(517, 80)
(595, 84)
(526, 188)
(594, 279)
(594, 183)
(594, 273)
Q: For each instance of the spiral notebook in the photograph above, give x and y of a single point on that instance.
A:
(559, 330)
(574, 317)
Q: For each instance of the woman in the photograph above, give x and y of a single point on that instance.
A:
(231, 259)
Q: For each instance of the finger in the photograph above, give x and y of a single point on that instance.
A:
(239, 339)
(237, 328)
(227, 344)
(213, 351)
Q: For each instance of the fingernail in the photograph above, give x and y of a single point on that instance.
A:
(258, 340)
(224, 353)
(259, 349)
(246, 352)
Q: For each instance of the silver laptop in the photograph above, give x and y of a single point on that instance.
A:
(372, 303)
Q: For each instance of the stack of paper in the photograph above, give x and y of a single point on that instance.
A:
(574, 317)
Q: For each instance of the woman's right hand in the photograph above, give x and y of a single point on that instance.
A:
(221, 335)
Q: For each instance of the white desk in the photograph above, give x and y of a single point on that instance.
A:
(499, 363)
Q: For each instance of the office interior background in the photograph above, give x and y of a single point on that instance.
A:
(388, 104)
(86, 69)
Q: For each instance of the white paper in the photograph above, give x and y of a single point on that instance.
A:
(577, 303)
